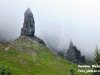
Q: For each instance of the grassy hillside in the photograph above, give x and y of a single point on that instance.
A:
(27, 57)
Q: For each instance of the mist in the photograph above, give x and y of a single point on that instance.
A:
(56, 22)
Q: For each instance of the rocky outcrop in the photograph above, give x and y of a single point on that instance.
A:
(29, 24)
(28, 28)
(74, 55)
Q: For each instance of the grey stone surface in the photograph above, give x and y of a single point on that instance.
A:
(74, 55)
(29, 24)
(28, 28)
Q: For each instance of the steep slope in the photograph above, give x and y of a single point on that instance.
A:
(27, 57)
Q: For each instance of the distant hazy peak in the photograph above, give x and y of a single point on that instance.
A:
(71, 44)
(28, 12)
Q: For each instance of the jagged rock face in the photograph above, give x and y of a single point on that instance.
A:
(74, 55)
(29, 24)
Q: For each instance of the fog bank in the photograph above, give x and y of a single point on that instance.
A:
(56, 22)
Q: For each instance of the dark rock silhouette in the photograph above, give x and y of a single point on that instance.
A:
(60, 53)
(28, 28)
(74, 55)
(29, 24)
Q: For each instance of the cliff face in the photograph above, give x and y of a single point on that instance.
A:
(74, 55)
(29, 24)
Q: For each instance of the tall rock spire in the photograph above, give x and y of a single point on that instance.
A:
(74, 55)
(29, 24)
(28, 28)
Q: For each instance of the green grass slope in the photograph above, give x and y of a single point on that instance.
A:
(27, 57)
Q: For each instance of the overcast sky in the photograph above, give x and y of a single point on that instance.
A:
(56, 22)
